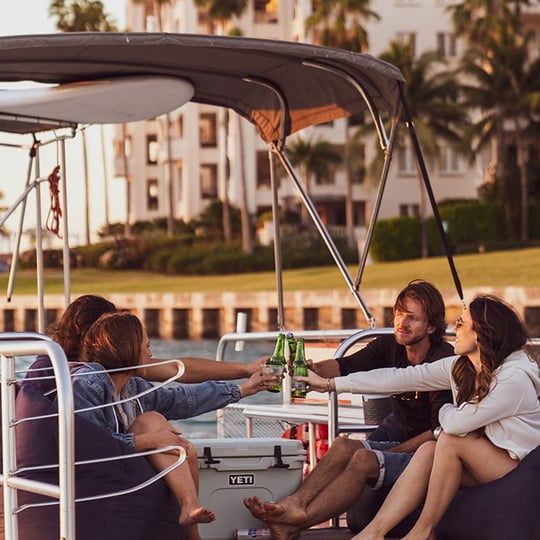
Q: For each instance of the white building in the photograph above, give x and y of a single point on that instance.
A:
(192, 160)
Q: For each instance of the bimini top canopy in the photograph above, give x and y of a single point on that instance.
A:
(281, 87)
(106, 101)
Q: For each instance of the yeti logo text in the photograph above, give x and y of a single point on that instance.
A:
(241, 479)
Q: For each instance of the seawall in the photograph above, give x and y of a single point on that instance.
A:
(208, 315)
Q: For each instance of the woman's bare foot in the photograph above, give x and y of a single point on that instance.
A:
(256, 507)
(369, 533)
(285, 512)
(413, 535)
(363, 535)
(196, 515)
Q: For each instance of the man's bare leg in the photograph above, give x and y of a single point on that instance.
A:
(292, 509)
(339, 494)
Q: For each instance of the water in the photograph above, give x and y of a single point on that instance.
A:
(204, 426)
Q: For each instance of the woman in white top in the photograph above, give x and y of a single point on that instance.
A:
(493, 423)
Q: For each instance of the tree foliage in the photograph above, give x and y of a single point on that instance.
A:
(81, 16)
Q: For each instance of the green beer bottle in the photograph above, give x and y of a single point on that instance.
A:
(299, 368)
(292, 349)
(278, 360)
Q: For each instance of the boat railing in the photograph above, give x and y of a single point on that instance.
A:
(14, 345)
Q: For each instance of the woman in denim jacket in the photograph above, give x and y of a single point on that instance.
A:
(118, 341)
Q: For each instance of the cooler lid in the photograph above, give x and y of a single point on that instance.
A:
(248, 447)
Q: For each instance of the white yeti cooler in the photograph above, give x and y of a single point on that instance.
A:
(232, 469)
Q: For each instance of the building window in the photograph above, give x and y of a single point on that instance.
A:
(266, 11)
(533, 46)
(123, 147)
(151, 149)
(409, 210)
(263, 170)
(180, 126)
(208, 177)
(449, 160)
(446, 44)
(356, 120)
(208, 130)
(409, 39)
(405, 161)
(152, 198)
(357, 164)
(180, 180)
(359, 213)
(328, 177)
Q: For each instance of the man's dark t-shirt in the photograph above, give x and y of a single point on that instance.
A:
(414, 412)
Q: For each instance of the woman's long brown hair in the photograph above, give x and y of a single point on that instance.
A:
(500, 331)
(114, 341)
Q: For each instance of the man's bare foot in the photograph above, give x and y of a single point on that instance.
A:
(285, 513)
(196, 515)
(284, 532)
(256, 507)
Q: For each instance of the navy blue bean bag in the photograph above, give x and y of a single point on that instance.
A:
(501, 510)
(149, 513)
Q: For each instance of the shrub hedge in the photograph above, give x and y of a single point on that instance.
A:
(471, 226)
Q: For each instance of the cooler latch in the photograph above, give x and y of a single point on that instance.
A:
(278, 457)
(209, 460)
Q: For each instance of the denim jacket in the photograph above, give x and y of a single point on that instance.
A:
(92, 386)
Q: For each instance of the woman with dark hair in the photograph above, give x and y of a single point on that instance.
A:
(493, 423)
(137, 416)
(70, 329)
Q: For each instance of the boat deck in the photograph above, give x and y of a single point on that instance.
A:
(341, 533)
(328, 533)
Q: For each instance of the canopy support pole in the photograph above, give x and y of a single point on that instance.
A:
(378, 201)
(325, 235)
(425, 177)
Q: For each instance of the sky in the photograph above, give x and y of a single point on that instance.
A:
(32, 17)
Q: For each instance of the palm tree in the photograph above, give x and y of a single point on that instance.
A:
(157, 10)
(505, 87)
(339, 23)
(476, 20)
(313, 159)
(432, 94)
(221, 12)
(82, 16)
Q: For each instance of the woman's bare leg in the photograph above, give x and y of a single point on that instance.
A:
(406, 495)
(183, 480)
(472, 457)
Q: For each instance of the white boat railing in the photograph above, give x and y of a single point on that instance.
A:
(27, 344)
(13, 345)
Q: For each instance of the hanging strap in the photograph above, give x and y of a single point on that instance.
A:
(55, 211)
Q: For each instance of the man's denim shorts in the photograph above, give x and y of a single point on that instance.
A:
(391, 464)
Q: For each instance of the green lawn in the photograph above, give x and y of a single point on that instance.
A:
(497, 269)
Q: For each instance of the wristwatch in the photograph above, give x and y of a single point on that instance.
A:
(437, 432)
